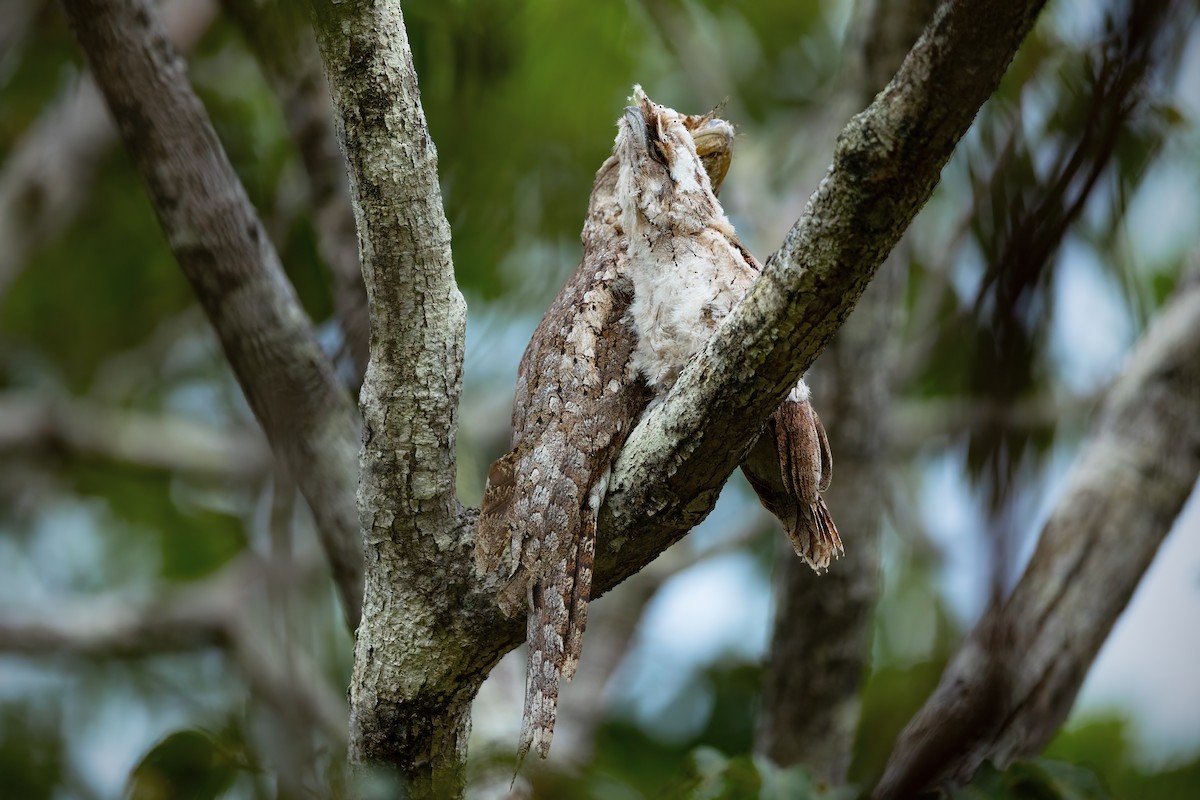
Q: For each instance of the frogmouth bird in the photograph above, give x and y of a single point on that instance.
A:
(661, 268)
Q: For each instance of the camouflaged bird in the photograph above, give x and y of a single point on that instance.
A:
(583, 383)
(689, 269)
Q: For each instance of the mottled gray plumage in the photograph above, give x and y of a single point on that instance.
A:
(575, 403)
(580, 391)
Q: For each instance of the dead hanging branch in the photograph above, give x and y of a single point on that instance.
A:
(222, 248)
(821, 640)
(1015, 679)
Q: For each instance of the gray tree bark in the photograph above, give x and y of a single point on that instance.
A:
(233, 268)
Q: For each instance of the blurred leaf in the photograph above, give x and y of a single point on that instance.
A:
(713, 776)
(32, 757)
(194, 541)
(186, 765)
(890, 698)
(1042, 779)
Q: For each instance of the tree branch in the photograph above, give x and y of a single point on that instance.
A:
(221, 246)
(49, 170)
(211, 613)
(1016, 677)
(38, 424)
(887, 163)
(282, 41)
(424, 647)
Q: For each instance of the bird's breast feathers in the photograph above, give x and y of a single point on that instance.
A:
(687, 286)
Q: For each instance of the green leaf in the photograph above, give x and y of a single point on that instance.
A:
(186, 765)
(1042, 779)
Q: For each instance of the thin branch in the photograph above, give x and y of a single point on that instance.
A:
(282, 41)
(234, 270)
(288, 682)
(210, 613)
(1015, 679)
(48, 172)
(31, 424)
(887, 163)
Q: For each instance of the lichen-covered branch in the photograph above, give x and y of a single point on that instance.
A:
(220, 244)
(430, 631)
(887, 162)
(1015, 679)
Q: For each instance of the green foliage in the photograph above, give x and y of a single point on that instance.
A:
(193, 540)
(33, 757)
(1102, 744)
(40, 64)
(186, 765)
(1042, 779)
(101, 287)
(714, 776)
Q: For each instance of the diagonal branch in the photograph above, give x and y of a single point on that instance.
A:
(1129, 484)
(282, 41)
(221, 246)
(887, 162)
(47, 173)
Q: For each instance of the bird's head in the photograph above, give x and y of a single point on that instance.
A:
(663, 182)
(713, 137)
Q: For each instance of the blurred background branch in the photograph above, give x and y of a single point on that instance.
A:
(46, 177)
(222, 248)
(75, 429)
(1011, 685)
(282, 42)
